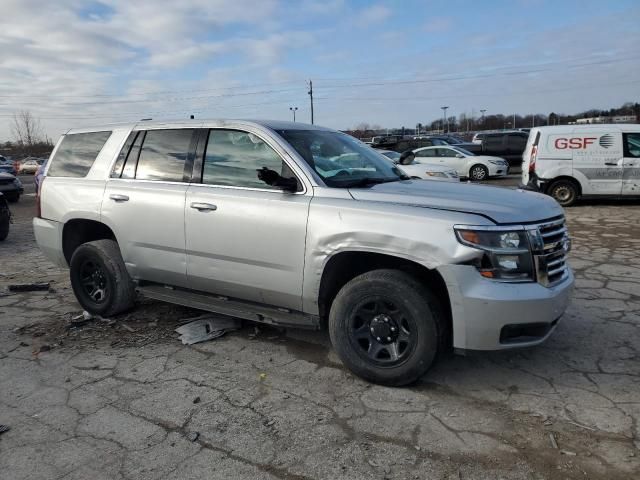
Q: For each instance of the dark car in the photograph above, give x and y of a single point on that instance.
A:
(7, 166)
(5, 218)
(508, 145)
(11, 187)
(458, 142)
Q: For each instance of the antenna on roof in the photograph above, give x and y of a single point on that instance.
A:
(191, 117)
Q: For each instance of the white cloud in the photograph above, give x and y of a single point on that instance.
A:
(373, 15)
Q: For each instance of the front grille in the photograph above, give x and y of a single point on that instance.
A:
(550, 255)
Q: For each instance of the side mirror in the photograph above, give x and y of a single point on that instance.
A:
(459, 155)
(407, 157)
(274, 179)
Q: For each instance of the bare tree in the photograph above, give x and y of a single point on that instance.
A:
(26, 129)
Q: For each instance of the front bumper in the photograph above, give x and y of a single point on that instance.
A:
(49, 238)
(498, 170)
(490, 315)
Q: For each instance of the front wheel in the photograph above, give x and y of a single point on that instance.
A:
(478, 172)
(565, 192)
(386, 326)
(99, 278)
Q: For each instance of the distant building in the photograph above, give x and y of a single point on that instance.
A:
(602, 119)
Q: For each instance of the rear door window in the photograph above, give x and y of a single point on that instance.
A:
(493, 142)
(427, 153)
(164, 155)
(631, 144)
(76, 154)
(516, 142)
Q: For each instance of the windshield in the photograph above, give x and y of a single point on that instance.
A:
(466, 153)
(391, 155)
(341, 160)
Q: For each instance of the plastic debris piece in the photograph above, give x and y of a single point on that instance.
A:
(193, 436)
(206, 329)
(552, 438)
(4, 428)
(29, 287)
(262, 376)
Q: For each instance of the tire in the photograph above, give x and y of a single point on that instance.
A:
(478, 172)
(375, 303)
(565, 192)
(4, 222)
(100, 280)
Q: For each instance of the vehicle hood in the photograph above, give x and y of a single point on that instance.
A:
(434, 167)
(501, 205)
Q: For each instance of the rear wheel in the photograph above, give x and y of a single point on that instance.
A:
(385, 327)
(478, 172)
(99, 278)
(565, 192)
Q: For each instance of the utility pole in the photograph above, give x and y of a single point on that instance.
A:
(514, 121)
(482, 112)
(444, 118)
(310, 92)
(293, 109)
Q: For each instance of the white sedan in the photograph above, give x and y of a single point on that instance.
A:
(468, 165)
(424, 171)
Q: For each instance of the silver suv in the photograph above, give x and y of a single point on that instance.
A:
(302, 226)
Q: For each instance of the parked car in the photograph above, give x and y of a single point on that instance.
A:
(508, 145)
(425, 171)
(39, 175)
(11, 187)
(299, 225)
(7, 166)
(468, 165)
(569, 161)
(29, 165)
(458, 142)
(5, 217)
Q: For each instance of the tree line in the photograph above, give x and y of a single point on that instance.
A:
(29, 139)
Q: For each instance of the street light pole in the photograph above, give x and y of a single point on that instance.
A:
(444, 118)
(482, 112)
(293, 109)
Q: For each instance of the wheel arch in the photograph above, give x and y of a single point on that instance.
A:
(82, 230)
(569, 178)
(344, 266)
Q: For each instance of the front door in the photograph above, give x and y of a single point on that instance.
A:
(631, 164)
(245, 239)
(143, 204)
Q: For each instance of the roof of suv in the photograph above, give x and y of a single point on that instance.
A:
(203, 123)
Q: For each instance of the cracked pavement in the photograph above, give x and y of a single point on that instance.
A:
(125, 400)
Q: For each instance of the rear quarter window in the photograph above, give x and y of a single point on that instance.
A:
(76, 154)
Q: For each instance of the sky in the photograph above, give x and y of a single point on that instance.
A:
(75, 63)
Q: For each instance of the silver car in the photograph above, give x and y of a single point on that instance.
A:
(303, 226)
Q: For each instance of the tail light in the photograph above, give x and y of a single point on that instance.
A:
(39, 198)
(532, 159)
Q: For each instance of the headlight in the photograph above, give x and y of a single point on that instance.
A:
(496, 162)
(507, 254)
(436, 174)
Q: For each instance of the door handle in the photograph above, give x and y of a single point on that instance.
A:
(203, 207)
(119, 198)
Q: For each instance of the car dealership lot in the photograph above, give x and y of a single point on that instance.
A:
(127, 400)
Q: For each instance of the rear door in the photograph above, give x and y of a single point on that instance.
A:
(631, 164)
(144, 203)
(245, 239)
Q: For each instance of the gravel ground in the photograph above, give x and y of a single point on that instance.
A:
(125, 399)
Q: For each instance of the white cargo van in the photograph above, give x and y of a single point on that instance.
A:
(572, 161)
